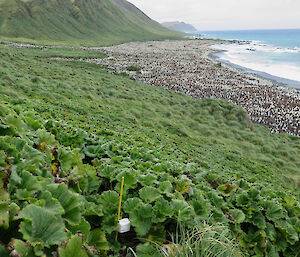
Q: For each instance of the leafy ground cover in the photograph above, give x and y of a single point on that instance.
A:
(69, 131)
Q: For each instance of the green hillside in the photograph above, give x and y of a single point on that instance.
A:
(77, 21)
(69, 131)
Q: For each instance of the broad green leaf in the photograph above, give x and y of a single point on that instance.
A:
(39, 250)
(182, 210)
(110, 201)
(84, 227)
(218, 216)
(91, 151)
(242, 200)
(147, 180)
(14, 177)
(84, 169)
(9, 148)
(4, 214)
(107, 171)
(157, 234)
(3, 160)
(70, 201)
(31, 121)
(115, 159)
(23, 249)
(46, 137)
(141, 219)
(131, 204)
(92, 209)
(130, 180)
(41, 226)
(215, 199)
(33, 158)
(24, 194)
(13, 210)
(3, 251)
(50, 203)
(182, 186)
(86, 176)
(227, 189)
(253, 194)
(5, 129)
(165, 187)
(149, 194)
(147, 250)
(274, 211)
(164, 207)
(162, 210)
(288, 231)
(238, 216)
(16, 122)
(281, 243)
(273, 252)
(290, 201)
(201, 207)
(259, 220)
(65, 159)
(270, 231)
(109, 222)
(4, 201)
(145, 210)
(295, 222)
(30, 182)
(73, 248)
(97, 237)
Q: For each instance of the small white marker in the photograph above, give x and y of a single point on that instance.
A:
(124, 225)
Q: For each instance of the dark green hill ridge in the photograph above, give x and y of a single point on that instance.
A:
(179, 26)
(78, 21)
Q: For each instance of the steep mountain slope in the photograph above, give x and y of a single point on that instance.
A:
(179, 26)
(101, 21)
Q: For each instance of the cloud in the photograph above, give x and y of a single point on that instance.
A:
(225, 14)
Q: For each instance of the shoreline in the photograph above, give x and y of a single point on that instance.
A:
(185, 66)
(276, 80)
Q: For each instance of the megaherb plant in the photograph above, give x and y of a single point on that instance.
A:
(69, 132)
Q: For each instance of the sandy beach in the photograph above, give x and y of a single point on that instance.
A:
(187, 67)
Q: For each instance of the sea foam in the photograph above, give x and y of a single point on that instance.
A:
(255, 55)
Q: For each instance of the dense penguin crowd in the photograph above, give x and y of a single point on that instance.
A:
(186, 67)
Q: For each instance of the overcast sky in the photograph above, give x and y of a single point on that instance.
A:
(225, 14)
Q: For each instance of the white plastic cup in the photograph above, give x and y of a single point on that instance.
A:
(124, 225)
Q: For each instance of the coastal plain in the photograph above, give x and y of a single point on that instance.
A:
(202, 158)
(185, 67)
(75, 120)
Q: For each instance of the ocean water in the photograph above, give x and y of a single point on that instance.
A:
(275, 52)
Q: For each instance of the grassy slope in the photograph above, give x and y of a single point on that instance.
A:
(75, 22)
(170, 127)
(214, 132)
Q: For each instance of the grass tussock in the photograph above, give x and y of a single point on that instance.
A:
(202, 241)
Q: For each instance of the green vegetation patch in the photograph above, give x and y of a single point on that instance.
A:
(134, 68)
(69, 132)
(78, 22)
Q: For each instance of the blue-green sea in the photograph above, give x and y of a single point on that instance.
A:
(275, 52)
